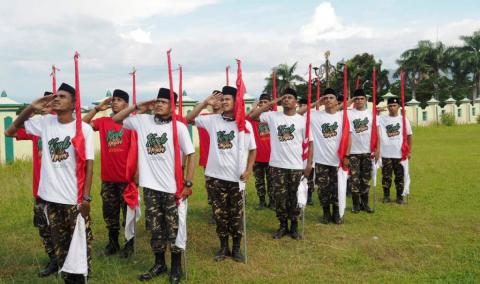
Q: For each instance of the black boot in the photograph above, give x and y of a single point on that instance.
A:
(336, 215)
(356, 203)
(127, 251)
(176, 270)
(326, 215)
(157, 269)
(223, 252)
(236, 254)
(113, 246)
(261, 205)
(365, 206)
(386, 195)
(69, 278)
(50, 268)
(400, 199)
(282, 231)
(294, 230)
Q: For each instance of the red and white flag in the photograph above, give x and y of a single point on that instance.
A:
(374, 134)
(240, 121)
(302, 192)
(405, 146)
(342, 150)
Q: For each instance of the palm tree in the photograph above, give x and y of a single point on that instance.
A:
(285, 77)
(411, 62)
(470, 59)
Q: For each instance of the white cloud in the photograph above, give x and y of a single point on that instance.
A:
(326, 25)
(139, 36)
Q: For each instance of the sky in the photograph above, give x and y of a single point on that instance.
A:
(113, 36)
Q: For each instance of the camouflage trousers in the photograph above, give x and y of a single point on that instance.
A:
(310, 182)
(327, 182)
(392, 166)
(40, 221)
(227, 202)
(161, 219)
(361, 173)
(285, 185)
(112, 204)
(263, 183)
(63, 219)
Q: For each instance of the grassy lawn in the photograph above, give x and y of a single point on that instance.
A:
(435, 238)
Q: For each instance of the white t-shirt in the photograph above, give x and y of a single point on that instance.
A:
(361, 129)
(286, 137)
(156, 161)
(58, 178)
(327, 133)
(223, 150)
(391, 136)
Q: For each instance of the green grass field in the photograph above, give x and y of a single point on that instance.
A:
(435, 238)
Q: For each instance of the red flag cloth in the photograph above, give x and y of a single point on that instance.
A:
(79, 140)
(180, 116)
(54, 79)
(318, 92)
(374, 133)
(342, 150)
(176, 144)
(405, 146)
(274, 90)
(130, 193)
(134, 87)
(227, 75)
(306, 139)
(239, 102)
(36, 156)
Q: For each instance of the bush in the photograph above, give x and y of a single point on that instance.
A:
(448, 119)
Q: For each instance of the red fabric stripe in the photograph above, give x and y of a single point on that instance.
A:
(318, 92)
(130, 193)
(307, 125)
(176, 144)
(54, 79)
(274, 90)
(374, 136)
(239, 102)
(405, 146)
(342, 150)
(79, 140)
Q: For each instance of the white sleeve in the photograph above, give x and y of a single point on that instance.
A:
(132, 122)
(202, 121)
(378, 123)
(186, 145)
(89, 148)
(264, 117)
(251, 143)
(34, 125)
(409, 128)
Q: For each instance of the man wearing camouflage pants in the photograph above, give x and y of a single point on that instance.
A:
(156, 162)
(287, 130)
(58, 186)
(115, 142)
(360, 158)
(391, 139)
(221, 172)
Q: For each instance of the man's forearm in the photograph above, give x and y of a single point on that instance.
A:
(251, 159)
(90, 115)
(88, 177)
(23, 116)
(190, 162)
(120, 116)
(310, 154)
(195, 112)
(255, 114)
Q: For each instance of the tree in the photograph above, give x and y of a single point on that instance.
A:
(470, 59)
(285, 77)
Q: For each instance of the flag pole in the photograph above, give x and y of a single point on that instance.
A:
(374, 118)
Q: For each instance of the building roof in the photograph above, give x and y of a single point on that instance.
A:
(5, 101)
